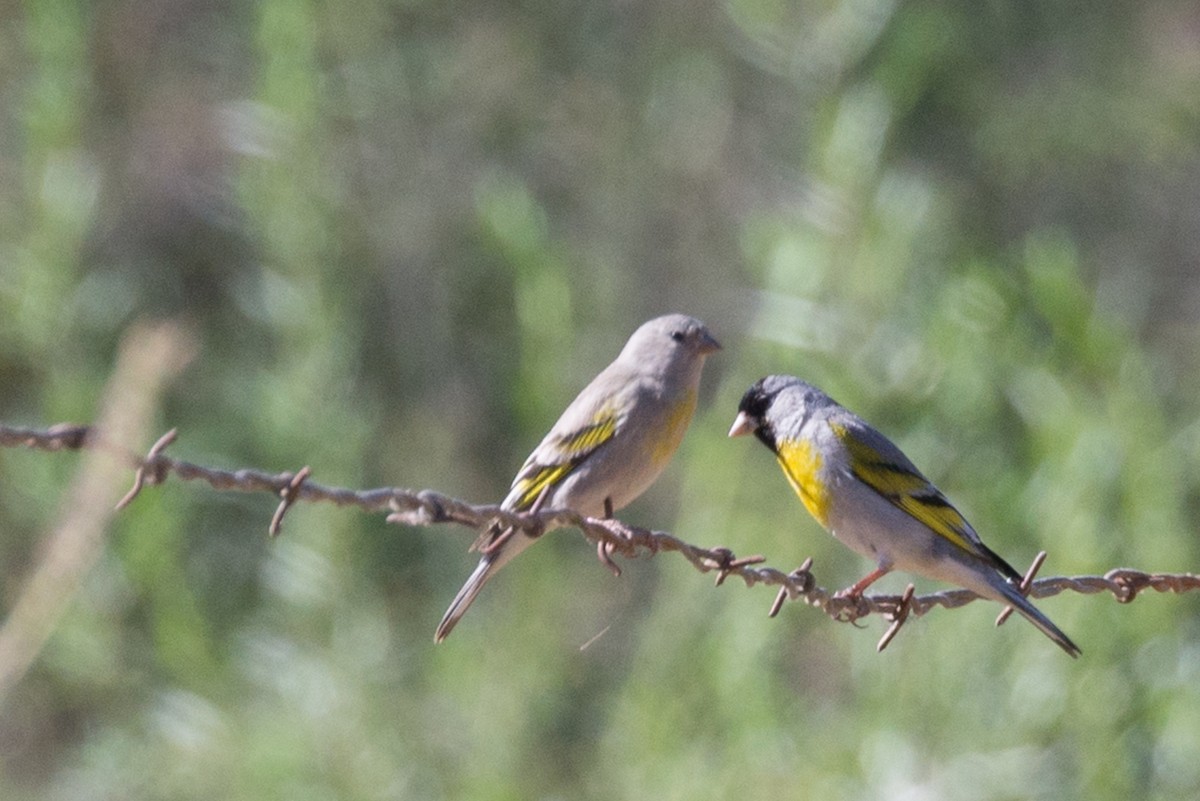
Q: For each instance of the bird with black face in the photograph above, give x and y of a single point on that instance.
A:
(861, 488)
(609, 445)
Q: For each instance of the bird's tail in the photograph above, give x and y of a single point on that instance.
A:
(512, 544)
(1019, 602)
(458, 607)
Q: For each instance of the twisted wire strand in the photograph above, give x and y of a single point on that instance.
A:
(425, 508)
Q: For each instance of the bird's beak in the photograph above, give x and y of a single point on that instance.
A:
(708, 344)
(742, 425)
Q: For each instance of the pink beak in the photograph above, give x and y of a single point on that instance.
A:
(742, 425)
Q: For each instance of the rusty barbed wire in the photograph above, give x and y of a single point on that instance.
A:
(424, 508)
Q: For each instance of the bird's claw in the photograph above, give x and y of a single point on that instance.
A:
(622, 539)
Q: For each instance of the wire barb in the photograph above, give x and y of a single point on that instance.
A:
(734, 563)
(1025, 585)
(898, 617)
(800, 582)
(149, 469)
(288, 496)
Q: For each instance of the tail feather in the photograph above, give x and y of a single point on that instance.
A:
(488, 566)
(1031, 613)
(458, 607)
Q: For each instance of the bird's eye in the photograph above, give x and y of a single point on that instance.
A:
(677, 336)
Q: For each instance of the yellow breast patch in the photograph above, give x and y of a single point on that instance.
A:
(802, 464)
(673, 429)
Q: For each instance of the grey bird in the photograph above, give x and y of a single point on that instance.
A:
(865, 491)
(609, 445)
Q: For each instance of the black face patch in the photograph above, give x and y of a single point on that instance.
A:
(766, 435)
(755, 402)
(754, 405)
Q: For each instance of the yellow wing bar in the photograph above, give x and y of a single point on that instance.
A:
(569, 452)
(905, 487)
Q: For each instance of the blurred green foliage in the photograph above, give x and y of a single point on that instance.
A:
(407, 233)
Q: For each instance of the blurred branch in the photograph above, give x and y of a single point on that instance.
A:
(148, 357)
(426, 508)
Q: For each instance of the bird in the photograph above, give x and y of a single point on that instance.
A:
(607, 447)
(862, 488)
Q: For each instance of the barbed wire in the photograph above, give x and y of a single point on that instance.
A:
(424, 508)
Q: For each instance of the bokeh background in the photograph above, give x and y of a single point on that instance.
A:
(405, 233)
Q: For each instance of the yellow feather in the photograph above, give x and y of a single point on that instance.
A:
(907, 489)
(586, 440)
(945, 520)
(667, 440)
(801, 463)
(572, 450)
(533, 486)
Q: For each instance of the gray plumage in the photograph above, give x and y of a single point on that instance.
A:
(608, 446)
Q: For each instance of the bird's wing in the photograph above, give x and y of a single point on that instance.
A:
(883, 467)
(563, 450)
